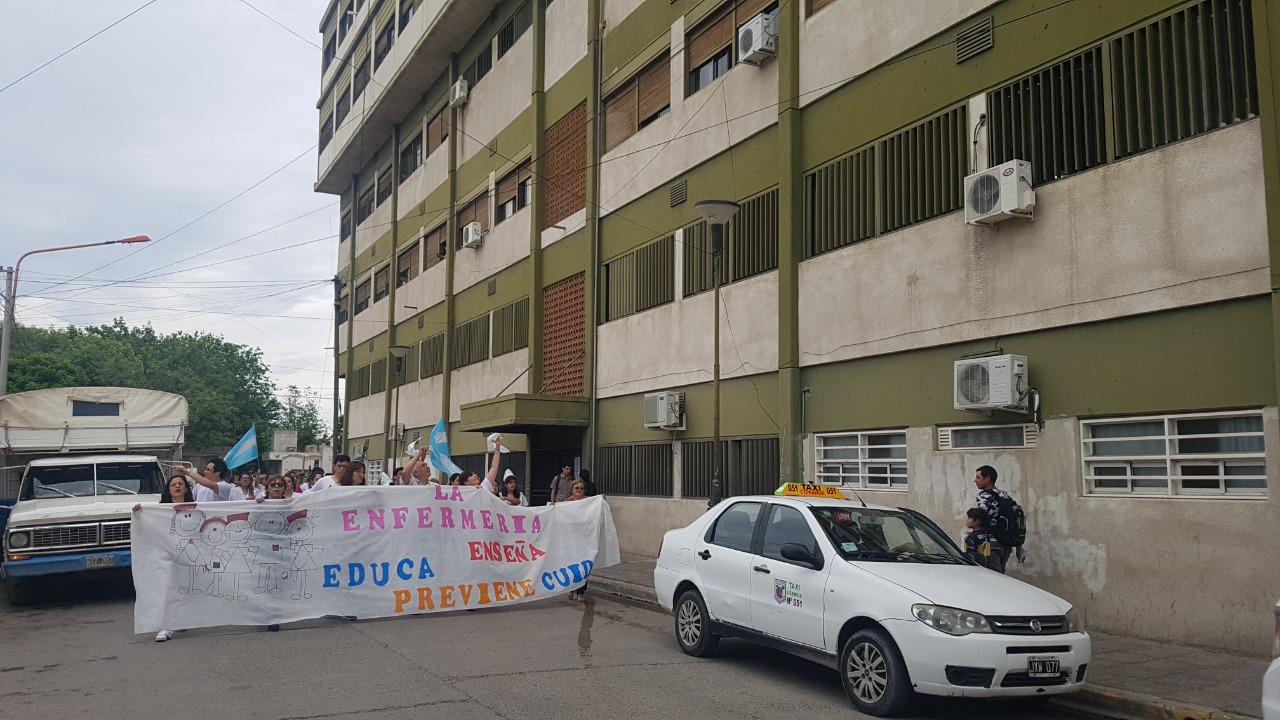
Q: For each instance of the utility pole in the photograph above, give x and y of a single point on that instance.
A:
(336, 440)
(9, 292)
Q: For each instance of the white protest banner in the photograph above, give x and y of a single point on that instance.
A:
(359, 551)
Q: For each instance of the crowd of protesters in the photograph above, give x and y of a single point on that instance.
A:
(216, 482)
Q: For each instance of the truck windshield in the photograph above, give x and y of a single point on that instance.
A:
(884, 536)
(78, 480)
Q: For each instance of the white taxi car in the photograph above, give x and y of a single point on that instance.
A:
(880, 594)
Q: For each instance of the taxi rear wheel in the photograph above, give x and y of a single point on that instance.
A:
(873, 673)
(693, 626)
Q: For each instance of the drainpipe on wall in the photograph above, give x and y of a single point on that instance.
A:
(790, 217)
(594, 144)
(388, 459)
(451, 235)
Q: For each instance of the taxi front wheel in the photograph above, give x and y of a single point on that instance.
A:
(874, 675)
(693, 626)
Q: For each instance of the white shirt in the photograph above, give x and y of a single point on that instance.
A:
(224, 492)
(488, 486)
(325, 482)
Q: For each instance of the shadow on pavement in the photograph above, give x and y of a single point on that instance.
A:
(72, 590)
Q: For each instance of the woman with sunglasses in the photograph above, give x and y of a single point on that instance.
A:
(278, 488)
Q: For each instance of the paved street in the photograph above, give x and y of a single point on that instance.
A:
(77, 658)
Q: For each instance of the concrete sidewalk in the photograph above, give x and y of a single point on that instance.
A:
(1128, 677)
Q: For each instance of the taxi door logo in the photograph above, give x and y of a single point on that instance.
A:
(787, 593)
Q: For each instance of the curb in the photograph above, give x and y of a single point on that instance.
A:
(1092, 699)
(1124, 705)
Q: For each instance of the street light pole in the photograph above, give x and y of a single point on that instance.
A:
(717, 213)
(399, 352)
(11, 298)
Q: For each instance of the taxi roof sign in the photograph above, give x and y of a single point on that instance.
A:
(807, 490)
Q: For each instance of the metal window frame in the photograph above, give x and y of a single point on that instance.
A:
(862, 461)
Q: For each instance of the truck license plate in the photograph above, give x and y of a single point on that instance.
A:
(104, 561)
(1040, 667)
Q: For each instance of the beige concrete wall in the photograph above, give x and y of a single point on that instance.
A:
(505, 244)
(366, 416)
(497, 99)
(615, 11)
(566, 38)
(565, 227)
(420, 293)
(487, 379)
(673, 343)
(429, 176)
(371, 322)
(641, 522)
(868, 33)
(420, 402)
(1180, 226)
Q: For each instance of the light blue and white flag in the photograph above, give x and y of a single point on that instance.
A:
(245, 450)
(439, 450)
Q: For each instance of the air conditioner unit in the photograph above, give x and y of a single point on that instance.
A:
(758, 39)
(396, 432)
(472, 235)
(664, 410)
(459, 92)
(991, 383)
(357, 450)
(999, 193)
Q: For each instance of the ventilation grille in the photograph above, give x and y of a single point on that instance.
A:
(492, 286)
(679, 192)
(976, 39)
(979, 437)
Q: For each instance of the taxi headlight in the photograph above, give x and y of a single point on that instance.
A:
(19, 540)
(1075, 623)
(952, 621)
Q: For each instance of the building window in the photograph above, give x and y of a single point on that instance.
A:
(750, 247)
(437, 131)
(342, 310)
(362, 297)
(514, 29)
(364, 206)
(865, 460)
(377, 376)
(384, 186)
(470, 342)
(407, 9)
(381, 283)
(361, 80)
(641, 100)
(480, 67)
(431, 360)
(973, 437)
(816, 5)
(326, 131)
(87, 408)
(513, 192)
(342, 105)
(475, 211)
(642, 279)
(411, 157)
(330, 52)
(358, 383)
(385, 40)
(344, 225)
(1206, 454)
(407, 265)
(635, 469)
(565, 182)
(346, 18)
(709, 46)
(511, 327)
(435, 247)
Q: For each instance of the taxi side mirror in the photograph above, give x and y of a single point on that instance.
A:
(795, 552)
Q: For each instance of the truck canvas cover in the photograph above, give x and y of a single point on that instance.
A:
(81, 419)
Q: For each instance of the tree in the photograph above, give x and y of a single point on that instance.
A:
(298, 413)
(41, 370)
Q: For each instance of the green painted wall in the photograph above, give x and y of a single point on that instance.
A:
(569, 255)
(568, 91)
(640, 34)
(1201, 358)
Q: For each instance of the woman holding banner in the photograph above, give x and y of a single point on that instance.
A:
(577, 491)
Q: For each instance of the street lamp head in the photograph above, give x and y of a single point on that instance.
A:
(399, 351)
(717, 212)
(134, 239)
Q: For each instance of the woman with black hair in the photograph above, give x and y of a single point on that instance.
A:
(177, 492)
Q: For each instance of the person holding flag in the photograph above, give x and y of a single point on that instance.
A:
(215, 484)
(436, 453)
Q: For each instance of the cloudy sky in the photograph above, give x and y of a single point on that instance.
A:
(193, 122)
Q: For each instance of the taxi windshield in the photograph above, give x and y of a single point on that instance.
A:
(885, 536)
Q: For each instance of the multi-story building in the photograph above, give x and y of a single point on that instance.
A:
(518, 181)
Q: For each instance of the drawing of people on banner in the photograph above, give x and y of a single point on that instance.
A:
(185, 525)
(269, 538)
(300, 530)
(238, 552)
(214, 533)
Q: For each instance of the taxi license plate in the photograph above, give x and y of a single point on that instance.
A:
(1041, 667)
(100, 561)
